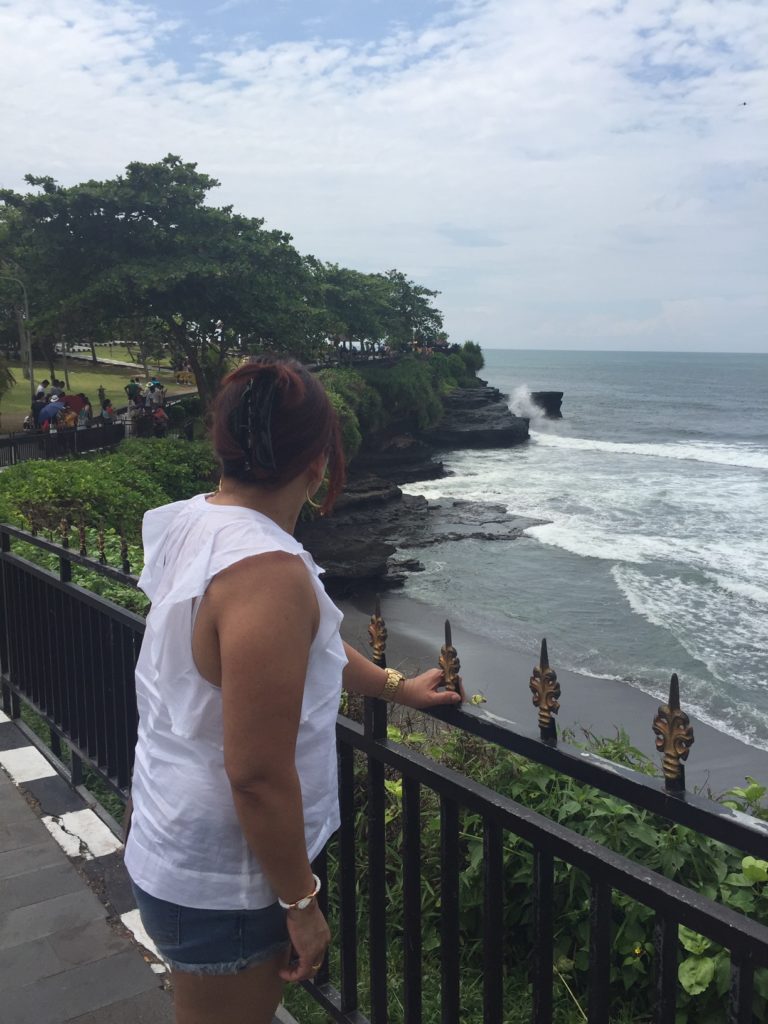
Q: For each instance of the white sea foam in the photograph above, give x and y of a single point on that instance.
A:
(680, 528)
(702, 617)
(743, 456)
(582, 538)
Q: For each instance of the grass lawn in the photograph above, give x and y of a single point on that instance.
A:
(84, 377)
(119, 351)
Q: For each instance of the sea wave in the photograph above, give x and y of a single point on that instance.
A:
(740, 456)
(703, 618)
(590, 541)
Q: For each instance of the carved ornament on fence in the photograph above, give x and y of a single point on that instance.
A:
(546, 690)
(674, 737)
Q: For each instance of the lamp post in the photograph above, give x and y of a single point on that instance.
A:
(30, 367)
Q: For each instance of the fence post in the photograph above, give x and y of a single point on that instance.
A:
(674, 738)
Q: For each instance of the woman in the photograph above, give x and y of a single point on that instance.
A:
(238, 684)
(85, 413)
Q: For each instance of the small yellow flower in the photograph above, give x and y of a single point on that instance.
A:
(638, 950)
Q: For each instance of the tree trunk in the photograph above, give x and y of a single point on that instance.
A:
(182, 342)
(92, 343)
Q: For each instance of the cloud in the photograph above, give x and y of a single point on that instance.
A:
(547, 167)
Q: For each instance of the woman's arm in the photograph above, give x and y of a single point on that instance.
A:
(363, 677)
(266, 615)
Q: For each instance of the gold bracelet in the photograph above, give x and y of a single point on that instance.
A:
(392, 686)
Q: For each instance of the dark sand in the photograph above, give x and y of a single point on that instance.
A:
(716, 762)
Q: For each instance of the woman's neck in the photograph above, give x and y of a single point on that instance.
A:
(282, 505)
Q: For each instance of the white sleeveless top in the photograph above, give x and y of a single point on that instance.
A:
(186, 844)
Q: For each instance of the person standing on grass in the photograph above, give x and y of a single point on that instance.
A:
(38, 405)
(132, 390)
(238, 685)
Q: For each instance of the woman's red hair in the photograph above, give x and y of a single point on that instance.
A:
(301, 424)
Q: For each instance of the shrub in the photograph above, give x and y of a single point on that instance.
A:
(472, 355)
(702, 864)
(407, 392)
(112, 490)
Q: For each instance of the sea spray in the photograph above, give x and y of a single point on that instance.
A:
(522, 404)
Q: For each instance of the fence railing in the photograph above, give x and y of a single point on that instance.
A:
(64, 442)
(69, 655)
(22, 447)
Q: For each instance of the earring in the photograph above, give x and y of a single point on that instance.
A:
(311, 503)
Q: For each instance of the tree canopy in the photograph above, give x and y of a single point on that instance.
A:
(147, 253)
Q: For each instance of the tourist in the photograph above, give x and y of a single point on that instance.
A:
(50, 412)
(108, 414)
(238, 684)
(38, 405)
(132, 389)
(68, 418)
(159, 422)
(85, 413)
(156, 395)
(41, 388)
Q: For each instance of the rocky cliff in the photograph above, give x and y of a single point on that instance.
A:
(373, 519)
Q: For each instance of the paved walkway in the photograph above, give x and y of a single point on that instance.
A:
(72, 947)
(61, 960)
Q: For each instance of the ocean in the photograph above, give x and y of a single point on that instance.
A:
(651, 556)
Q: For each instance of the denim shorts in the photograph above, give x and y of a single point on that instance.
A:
(212, 941)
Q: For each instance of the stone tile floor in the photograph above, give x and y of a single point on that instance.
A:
(67, 952)
(61, 960)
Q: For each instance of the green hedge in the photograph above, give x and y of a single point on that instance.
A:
(110, 490)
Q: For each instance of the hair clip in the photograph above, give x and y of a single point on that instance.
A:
(252, 425)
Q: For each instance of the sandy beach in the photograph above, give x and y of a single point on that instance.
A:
(717, 761)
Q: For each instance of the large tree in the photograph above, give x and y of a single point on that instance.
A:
(412, 316)
(147, 249)
(146, 245)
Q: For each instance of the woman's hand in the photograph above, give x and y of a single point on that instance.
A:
(422, 692)
(310, 936)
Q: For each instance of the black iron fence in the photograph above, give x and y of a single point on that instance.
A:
(64, 442)
(58, 444)
(69, 655)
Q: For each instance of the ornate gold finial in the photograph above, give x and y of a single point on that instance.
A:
(546, 690)
(100, 545)
(377, 636)
(81, 535)
(674, 737)
(449, 662)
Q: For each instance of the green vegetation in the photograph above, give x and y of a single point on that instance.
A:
(146, 256)
(404, 396)
(110, 490)
(704, 865)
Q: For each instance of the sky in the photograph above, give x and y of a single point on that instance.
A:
(569, 174)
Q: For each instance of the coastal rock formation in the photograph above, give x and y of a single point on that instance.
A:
(477, 418)
(550, 402)
(373, 520)
(401, 459)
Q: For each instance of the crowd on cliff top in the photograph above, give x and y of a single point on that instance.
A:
(53, 409)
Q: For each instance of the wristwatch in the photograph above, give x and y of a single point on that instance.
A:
(304, 902)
